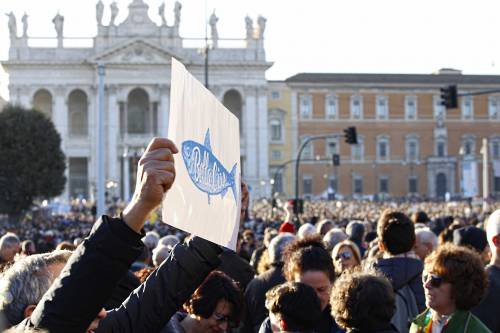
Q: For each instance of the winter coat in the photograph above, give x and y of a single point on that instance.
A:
(460, 322)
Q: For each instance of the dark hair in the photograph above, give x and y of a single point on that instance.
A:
(396, 232)
(216, 287)
(420, 217)
(463, 268)
(446, 235)
(307, 254)
(363, 301)
(296, 303)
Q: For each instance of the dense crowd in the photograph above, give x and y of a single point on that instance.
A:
(340, 266)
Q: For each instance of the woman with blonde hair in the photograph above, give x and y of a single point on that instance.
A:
(346, 256)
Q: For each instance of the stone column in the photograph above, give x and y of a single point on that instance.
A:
(24, 97)
(294, 139)
(60, 119)
(93, 114)
(250, 133)
(126, 175)
(263, 142)
(163, 110)
(112, 125)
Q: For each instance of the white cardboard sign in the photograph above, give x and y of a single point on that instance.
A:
(205, 197)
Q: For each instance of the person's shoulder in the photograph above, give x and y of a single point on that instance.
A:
(477, 326)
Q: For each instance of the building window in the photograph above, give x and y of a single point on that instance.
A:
(307, 185)
(412, 185)
(495, 149)
(77, 113)
(276, 154)
(332, 184)
(358, 151)
(439, 109)
(441, 148)
(412, 149)
(382, 149)
(356, 107)
(493, 107)
(78, 177)
(410, 107)
(332, 146)
(331, 103)
(382, 109)
(139, 115)
(275, 95)
(42, 101)
(467, 107)
(306, 108)
(468, 146)
(308, 151)
(276, 130)
(383, 185)
(357, 185)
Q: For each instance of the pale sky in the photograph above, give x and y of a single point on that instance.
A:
(358, 36)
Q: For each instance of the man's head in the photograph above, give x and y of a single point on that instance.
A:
(493, 232)
(420, 217)
(24, 283)
(356, 231)
(10, 245)
(277, 245)
(28, 247)
(425, 242)
(396, 233)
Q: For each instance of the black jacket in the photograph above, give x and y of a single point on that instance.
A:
(236, 268)
(89, 278)
(325, 325)
(403, 271)
(255, 297)
(488, 311)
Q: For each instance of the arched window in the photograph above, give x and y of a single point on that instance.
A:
(233, 101)
(42, 101)
(78, 113)
(138, 112)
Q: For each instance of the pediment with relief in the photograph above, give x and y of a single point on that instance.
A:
(136, 52)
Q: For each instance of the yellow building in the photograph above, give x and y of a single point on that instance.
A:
(408, 143)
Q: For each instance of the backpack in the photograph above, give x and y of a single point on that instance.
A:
(406, 309)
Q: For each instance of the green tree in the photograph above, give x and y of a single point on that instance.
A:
(31, 160)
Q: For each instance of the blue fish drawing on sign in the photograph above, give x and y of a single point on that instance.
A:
(206, 171)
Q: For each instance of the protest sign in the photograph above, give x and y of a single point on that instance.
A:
(205, 197)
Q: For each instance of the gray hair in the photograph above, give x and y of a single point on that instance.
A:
(25, 282)
(425, 235)
(169, 240)
(151, 239)
(305, 230)
(277, 245)
(333, 237)
(8, 240)
(160, 253)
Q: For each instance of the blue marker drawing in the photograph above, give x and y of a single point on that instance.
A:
(206, 171)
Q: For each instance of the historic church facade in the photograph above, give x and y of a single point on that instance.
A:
(136, 53)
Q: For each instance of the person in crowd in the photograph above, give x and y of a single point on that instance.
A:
(255, 294)
(455, 281)
(333, 237)
(355, 230)
(65, 245)
(488, 311)
(447, 234)
(346, 256)
(108, 252)
(420, 217)
(160, 253)
(363, 302)
(24, 283)
(287, 227)
(247, 245)
(324, 226)
(269, 234)
(169, 241)
(28, 248)
(151, 240)
(307, 261)
(306, 230)
(475, 238)
(142, 261)
(293, 307)
(396, 239)
(10, 245)
(425, 242)
(215, 306)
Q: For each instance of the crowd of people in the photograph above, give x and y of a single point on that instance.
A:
(340, 266)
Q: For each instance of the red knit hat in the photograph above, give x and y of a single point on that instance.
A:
(287, 227)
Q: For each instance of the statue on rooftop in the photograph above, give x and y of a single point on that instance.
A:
(12, 25)
(25, 24)
(58, 21)
(213, 29)
(161, 12)
(177, 13)
(99, 11)
(261, 23)
(114, 12)
(249, 27)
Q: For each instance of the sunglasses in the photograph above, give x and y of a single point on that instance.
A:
(220, 318)
(343, 255)
(434, 280)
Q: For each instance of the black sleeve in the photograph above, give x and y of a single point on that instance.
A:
(89, 277)
(152, 304)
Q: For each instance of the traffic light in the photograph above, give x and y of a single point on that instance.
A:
(449, 97)
(336, 159)
(350, 135)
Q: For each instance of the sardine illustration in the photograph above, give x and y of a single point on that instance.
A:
(206, 171)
